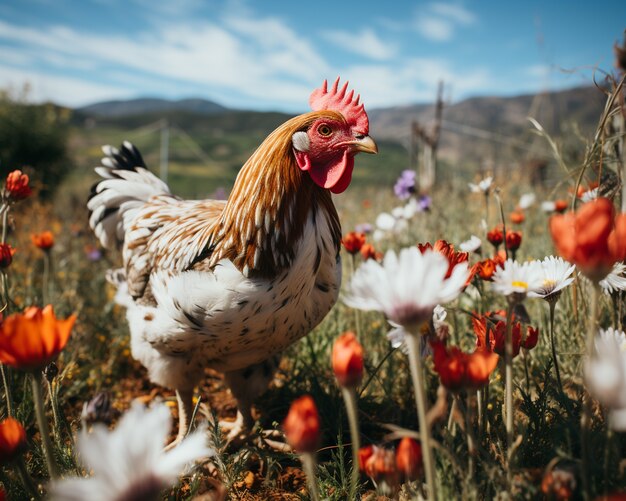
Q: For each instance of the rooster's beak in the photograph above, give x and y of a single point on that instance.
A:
(365, 144)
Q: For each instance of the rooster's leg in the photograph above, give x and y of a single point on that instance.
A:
(185, 410)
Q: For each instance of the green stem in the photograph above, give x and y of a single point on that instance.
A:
(55, 411)
(310, 469)
(7, 389)
(419, 386)
(585, 420)
(357, 312)
(42, 423)
(508, 398)
(349, 396)
(555, 359)
(46, 278)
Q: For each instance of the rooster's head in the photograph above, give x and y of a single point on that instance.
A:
(339, 130)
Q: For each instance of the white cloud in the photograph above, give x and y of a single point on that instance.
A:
(365, 43)
(438, 21)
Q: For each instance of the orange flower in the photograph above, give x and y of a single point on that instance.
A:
(368, 252)
(32, 339)
(559, 484)
(485, 269)
(353, 242)
(16, 185)
(6, 255)
(495, 236)
(364, 454)
(593, 238)
(490, 331)
(517, 217)
(458, 370)
(409, 459)
(560, 206)
(447, 250)
(302, 425)
(531, 337)
(12, 439)
(347, 360)
(44, 240)
(513, 240)
(381, 467)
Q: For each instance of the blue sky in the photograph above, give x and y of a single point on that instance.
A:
(270, 55)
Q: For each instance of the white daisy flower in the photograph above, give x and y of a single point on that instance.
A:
(397, 335)
(556, 274)
(606, 375)
(548, 206)
(385, 221)
(614, 281)
(129, 462)
(526, 200)
(406, 287)
(483, 186)
(518, 279)
(589, 195)
(471, 245)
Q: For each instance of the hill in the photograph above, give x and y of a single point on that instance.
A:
(124, 108)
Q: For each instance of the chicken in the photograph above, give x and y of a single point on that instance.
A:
(229, 285)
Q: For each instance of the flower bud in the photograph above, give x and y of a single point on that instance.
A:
(6, 255)
(302, 425)
(347, 360)
(353, 242)
(409, 458)
(12, 439)
(44, 240)
(16, 185)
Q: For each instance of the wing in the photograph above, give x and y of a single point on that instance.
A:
(168, 235)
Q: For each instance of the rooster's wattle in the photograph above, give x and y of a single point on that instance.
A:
(230, 284)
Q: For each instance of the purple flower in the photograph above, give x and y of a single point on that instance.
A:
(365, 228)
(93, 253)
(424, 202)
(405, 185)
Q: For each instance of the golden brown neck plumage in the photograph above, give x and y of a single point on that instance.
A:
(268, 207)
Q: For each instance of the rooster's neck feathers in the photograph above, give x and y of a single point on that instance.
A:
(269, 206)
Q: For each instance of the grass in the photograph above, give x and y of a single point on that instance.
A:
(98, 355)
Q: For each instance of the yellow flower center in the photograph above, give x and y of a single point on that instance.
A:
(517, 283)
(549, 283)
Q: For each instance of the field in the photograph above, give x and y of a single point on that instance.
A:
(545, 453)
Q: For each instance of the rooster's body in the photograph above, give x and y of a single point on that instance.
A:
(230, 284)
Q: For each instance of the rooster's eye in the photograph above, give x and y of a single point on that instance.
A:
(324, 130)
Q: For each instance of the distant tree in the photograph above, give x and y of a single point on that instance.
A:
(33, 138)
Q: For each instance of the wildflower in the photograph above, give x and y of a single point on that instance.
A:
(516, 280)
(406, 287)
(129, 462)
(590, 195)
(405, 185)
(458, 370)
(556, 275)
(364, 454)
(531, 338)
(347, 360)
(12, 439)
(409, 461)
(93, 253)
(517, 217)
(6, 255)
(302, 425)
(44, 240)
(495, 236)
(614, 281)
(526, 201)
(559, 206)
(593, 238)
(605, 373)
(424, 202)
(513, 240)
(16, 186)
(97, 410)
(483, 186)
(369, 252)
(471, 245)
(447, 250)
(30, 340)
(353, 242)
(381, 468)
(490, 331)
(559, 484)
(365, 228)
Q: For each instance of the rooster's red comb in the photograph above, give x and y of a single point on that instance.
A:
(338, 99)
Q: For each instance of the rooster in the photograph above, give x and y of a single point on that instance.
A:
(230, 284)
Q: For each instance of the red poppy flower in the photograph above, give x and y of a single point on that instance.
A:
(17, 186)
(517, 217)
(458, 370)
(364, 454)
(353, 242)
(381, 466)
(31, 340)
(12, 439)
(368, 252)
(447, 250)
(513, 240)
(495, 236)
(302, 425)
(490, 331)
(6, 255)
(593, 238)
(347, 360)
(409, 459)
(44, 240)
